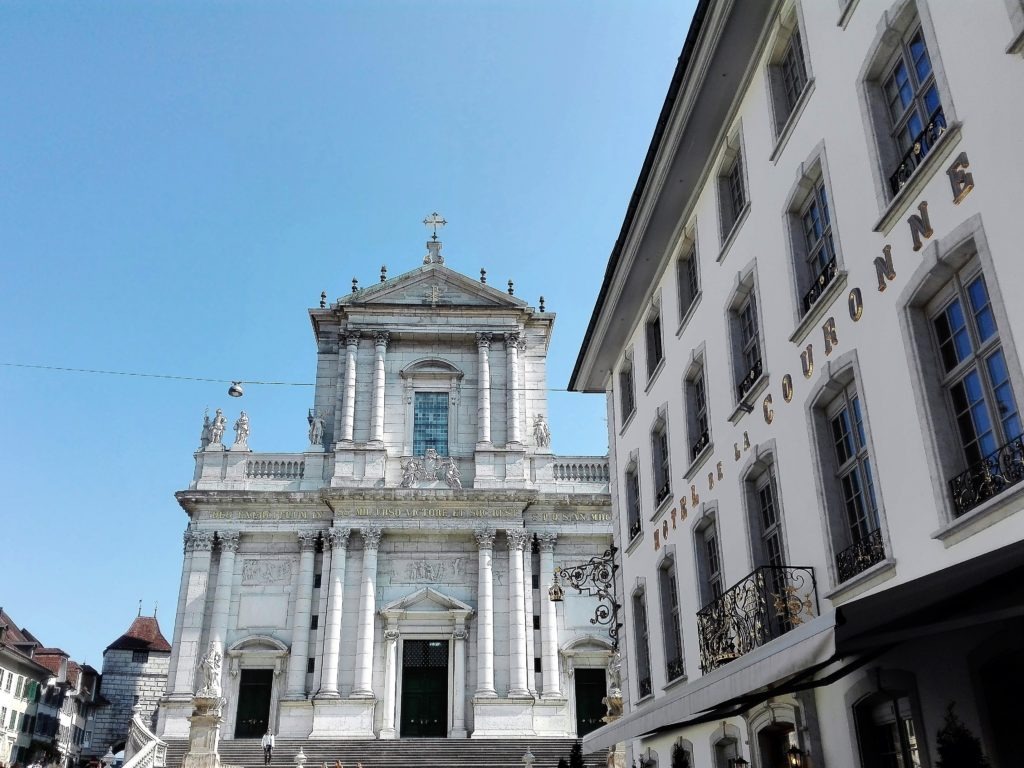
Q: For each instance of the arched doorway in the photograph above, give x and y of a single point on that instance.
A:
(255, 665)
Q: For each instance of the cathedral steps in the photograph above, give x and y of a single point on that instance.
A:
(398, 753)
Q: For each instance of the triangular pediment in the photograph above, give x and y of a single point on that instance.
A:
(426, 600)
(433, 285)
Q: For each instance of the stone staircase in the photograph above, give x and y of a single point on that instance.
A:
(398, 753)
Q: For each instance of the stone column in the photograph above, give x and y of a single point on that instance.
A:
(387, 730)
(348, 412)
(338, 539)
(531, 677)
(512, 344)
(550, 687)
(192, 619)
(186, 570)
(485, 615)
(296, 684)
(516, 538)
(380, 343)
(363, 687)
(459, 700)
(483, 408)
(228, 542)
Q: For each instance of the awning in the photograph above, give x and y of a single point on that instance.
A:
(799, 652)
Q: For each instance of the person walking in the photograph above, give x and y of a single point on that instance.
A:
(267, 742)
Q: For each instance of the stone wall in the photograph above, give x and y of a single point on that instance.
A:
(125, 683)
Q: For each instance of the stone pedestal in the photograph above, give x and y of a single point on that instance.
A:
(295, 719)
(343, 719)
(503, 718)
(358, 466)
(204, 733)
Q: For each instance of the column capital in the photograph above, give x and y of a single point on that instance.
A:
(546, 541)
(512, 339)
(391, 635)
(483, 340)
(484, 537)
(307, 540)
(228, 540)
(381, 338)
(351, 338)
(460, 633)
(338, 537)
(516, 538)
(371, 536)
(198, 541)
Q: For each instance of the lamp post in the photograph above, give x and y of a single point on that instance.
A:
(596, 578)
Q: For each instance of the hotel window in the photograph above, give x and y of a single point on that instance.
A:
(697, 423)
(768, 543)
(627, 396)
(732, 192)
(816, 262)
(660, 460)
(848, 472)
(633, 503)
(787, 70)
(709, 563)
(642, 646)
(904, 89)
(430, 423)
(687, 281)
(671, 621)
(976, 380)
(652, 334)
(745, 330)
(886, 733)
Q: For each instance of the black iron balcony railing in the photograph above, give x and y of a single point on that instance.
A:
(645, 686)
(919, 150)
(743, 385)
(764, 605)
(860, 556)
(675, 668)
(634, 529)
(700, 445)
(664, 491)
(993, 474)
(821, 282)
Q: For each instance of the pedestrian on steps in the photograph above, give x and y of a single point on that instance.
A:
(267, 742)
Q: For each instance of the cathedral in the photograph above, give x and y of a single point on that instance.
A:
(395, 578)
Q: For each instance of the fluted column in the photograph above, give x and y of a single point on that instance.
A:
(387, 730)
(367, 606)
(485, 615)
(516, 538)
(348, 413)
(338, 540)
(512, 346)
(548, 619)
(195, 606)
(228, 544)
(296, 685)
(380, 343)
(459, 703)
(483, 408)
(179, 614)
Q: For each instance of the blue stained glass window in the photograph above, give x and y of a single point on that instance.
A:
(430, 423)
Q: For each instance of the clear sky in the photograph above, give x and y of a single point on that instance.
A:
(180, 180)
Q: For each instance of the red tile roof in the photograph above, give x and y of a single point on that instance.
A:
(143, 635)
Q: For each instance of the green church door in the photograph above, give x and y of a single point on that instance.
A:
(590, 690)
(424, 688)
(253, 703)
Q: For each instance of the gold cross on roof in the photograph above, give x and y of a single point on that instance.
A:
(434, 221)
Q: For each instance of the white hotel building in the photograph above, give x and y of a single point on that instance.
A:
(807, 336)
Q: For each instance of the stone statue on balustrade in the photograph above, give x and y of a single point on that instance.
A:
(217, 427)
(541, 433)
(241, 433)
(316, 428)
(205, 435)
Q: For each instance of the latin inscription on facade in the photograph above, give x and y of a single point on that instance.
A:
(266, 572)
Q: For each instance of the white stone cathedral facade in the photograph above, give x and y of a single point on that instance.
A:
(392, 580)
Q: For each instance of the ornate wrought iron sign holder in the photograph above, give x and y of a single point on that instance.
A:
(597, 579)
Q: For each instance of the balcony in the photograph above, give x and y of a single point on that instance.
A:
(860, 556)
(675, 668)
(743, 385)
(1001, 469)
(634, 529)
(821, 282)
(918, 151)
(700, 445)
(763, 606)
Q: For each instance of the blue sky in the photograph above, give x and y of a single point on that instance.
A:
(180, 180)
